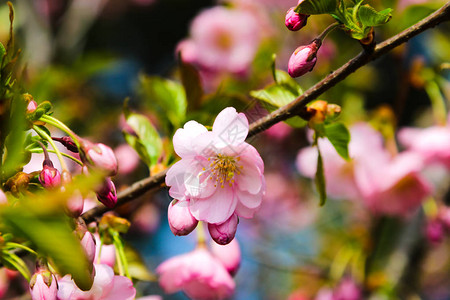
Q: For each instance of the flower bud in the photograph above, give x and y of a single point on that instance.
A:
(88, 244)
(99, 156)
(295, 21)
(435, 231)
(67, 142)
(107, 194)
(181, 221)
(303, 59)
(229, 255)
(49, 176)
(43, 285)
(224, 233)
(3, 198)
(317, 111)
(31, 107)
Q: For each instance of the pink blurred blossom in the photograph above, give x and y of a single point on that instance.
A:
(198, 274)
(222, 40)
(146, 219)
(219, 173)
(3, 198)
(432, 143)
(106, 286)
(4, 282)
(435, 231)
(279, 131)
(127, 158)
(347, 290)
(229, 255)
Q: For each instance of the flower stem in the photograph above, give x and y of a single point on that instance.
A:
(201, 237)
(327, 30)
(45, 136)
(57, 123)
(62, 153)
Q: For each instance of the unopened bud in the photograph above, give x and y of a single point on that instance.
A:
(88, 244)
(107, 193)
(224, 233)
(333, 112)
(75, 204)
(295, 21)
(181, 221)
(303, 59)
(43, 284)
(318, 111)
(99, 156)
(31, 107)
(50, 177)
(67, 142)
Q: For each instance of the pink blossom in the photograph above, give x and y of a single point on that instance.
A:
(146, 219)
(432, 143)
(223, 40)
(75, 204)
(106, 286)
(303, 59)
(229, 255)
(392, 187)
(198, 274)
(31, 107)
(3, 198)
(88, 244)
(224, 233)
(435, 231)
(127, 158)
(295, 21)
(181, 221)
(347, 290)
(219, 173)
(279, 131)
(43, 286)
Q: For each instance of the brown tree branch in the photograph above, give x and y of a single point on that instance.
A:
(296, 106)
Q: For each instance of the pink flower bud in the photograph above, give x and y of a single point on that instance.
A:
(88, 244)
(181, 221)
(67, 142)
(3, 198)
(295, 21)
(303, 59)
(50, 177)
(347, 290)
(75, 204)
(99, 156)
(224, 233)
(31, 107)
(229, 255)
(107, 194)
(43, 286)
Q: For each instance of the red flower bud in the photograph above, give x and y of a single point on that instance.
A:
(295, 21)
(181, 222)
(49, 176)
(224, 233)
(303, 59)
(107, 194)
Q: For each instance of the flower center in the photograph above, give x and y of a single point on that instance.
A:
(223, 169)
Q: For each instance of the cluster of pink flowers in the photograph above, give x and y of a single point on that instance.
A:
(390, 185)
(202, 274)
(219, 177)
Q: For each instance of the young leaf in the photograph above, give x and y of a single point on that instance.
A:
(315, 7)
(319, 179)
(165, 97)
(144, 139)
(369, 17)
(339, 137)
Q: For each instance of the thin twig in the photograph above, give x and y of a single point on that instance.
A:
(296, 106)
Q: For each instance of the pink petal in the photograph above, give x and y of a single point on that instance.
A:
(215, 209)
(122, 289)
(231, 127)
(243, 211)
(184, 137)
(250, 179)
(252, 201)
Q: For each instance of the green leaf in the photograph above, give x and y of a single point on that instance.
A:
(2, 51)
(145, 140)
(277, 95)
(319, 179)
(316, 7)
(190, 78)
(339, 137)
(165, 97)
(369, 17)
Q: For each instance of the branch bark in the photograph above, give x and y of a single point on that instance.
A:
(295, 107)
